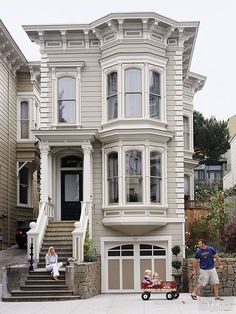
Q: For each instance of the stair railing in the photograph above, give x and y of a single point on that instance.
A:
(79, 233)
(37, 229)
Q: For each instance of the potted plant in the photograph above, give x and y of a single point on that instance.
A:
(177, 264)
(89, 255)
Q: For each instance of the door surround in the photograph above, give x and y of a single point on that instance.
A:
(63, 152)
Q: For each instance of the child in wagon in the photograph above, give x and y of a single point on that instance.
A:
(156, 279)
(148, 275)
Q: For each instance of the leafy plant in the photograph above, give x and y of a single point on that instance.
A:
(201, 228)
(176, 263)
(89, 255)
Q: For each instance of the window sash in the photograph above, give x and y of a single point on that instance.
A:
(24, 120)
(154, 94)
(24, 186)
(133, 93)
(66, 100)
(186, 133)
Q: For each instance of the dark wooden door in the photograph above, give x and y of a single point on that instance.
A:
(71, 194)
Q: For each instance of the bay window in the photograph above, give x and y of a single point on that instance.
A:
(66, 99)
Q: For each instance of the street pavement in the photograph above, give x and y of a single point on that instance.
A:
(123, 304)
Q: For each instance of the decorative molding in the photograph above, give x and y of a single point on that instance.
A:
(153, 26)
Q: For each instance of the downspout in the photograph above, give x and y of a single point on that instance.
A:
(8, 164)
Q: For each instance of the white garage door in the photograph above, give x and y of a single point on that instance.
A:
(125, 264)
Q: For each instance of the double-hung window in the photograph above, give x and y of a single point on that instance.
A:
(186, 133)
(112, 96)
(133, 176)
(133, 93)
(155, 177)
(66, 98)
(154, 95)
(112, 178)
(24, 120)
(23, 185)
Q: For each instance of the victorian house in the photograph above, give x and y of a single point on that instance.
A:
(115, 135)
(19, 155)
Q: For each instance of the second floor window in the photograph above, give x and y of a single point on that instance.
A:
(186, 133)
(154, 95)
(112, 96)
(66, 100)
(133, 93)
(133, 176)
(113, 190)
(24, 120)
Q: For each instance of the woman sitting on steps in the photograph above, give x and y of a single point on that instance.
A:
(51, 260)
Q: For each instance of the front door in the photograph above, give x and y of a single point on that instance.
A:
(71, 194)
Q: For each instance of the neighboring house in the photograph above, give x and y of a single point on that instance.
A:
(19, 105)
(116, 137)
(229, 179)
(209, 175)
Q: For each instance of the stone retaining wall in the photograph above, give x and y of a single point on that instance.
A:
(227, 277)
(84, 279)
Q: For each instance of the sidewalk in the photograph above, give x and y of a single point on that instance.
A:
(123, 304)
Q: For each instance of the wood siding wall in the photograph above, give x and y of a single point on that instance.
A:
(7, 154)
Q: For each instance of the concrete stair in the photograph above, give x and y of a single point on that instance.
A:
(39, 285)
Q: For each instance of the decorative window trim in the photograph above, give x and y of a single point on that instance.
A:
(121, 149)
(57, 75)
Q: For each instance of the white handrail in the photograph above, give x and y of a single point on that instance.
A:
(79, 233)
(36, 234)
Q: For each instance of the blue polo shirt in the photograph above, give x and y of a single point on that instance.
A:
(206, 257)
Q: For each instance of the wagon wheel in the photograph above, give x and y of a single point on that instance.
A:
(175, 294)
(169, 296)
(146, 295)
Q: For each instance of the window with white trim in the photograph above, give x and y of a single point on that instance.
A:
(154, 95)
(66, 100)
(133, 176)
(186, 133)
(133, 93)
(112, 178)
(24, 120)
(112, 96)
(155, 177)
(23, 191)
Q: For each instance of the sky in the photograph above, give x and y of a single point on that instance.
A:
(214, 54)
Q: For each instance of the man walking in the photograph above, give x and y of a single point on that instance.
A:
(205, 258)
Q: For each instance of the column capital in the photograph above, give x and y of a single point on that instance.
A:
(87, 148)
(44, 148)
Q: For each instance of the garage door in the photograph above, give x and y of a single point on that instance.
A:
(125, 264)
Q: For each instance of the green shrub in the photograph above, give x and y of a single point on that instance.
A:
(89, 255)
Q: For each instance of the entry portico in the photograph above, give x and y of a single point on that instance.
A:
(66, 171)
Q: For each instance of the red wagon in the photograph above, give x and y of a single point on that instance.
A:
(168, 287)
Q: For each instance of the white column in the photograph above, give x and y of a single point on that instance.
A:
(87, 175)
(44, 186)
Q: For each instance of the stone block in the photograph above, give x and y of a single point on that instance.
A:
(230, 284)
(230, 270)
(228, 291)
